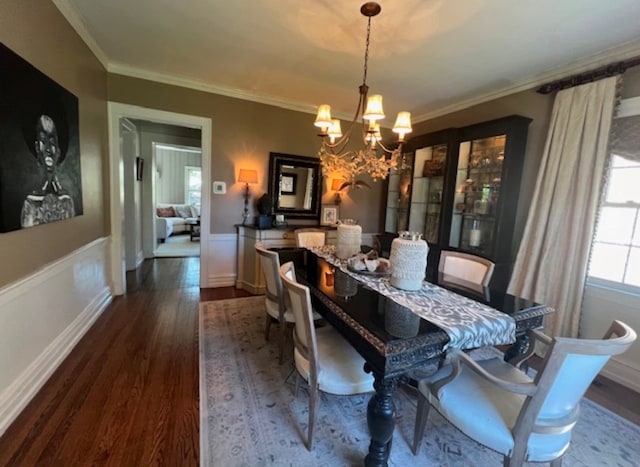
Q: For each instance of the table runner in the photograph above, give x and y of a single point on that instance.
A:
(468, 323)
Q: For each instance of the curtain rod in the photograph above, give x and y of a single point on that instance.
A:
(576, 80)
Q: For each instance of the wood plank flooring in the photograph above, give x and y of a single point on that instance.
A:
(127, 395)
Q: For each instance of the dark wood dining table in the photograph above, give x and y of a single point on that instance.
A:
(394, 346)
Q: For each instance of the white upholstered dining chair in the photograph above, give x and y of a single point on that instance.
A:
(277, 304)
(463, 269)
(307, 238)
(322, 356)
(499, 406)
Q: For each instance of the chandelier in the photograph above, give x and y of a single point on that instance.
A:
(374, 158)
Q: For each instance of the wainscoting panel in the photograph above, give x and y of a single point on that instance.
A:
(601, 306)
(42, 317)
(221, 259)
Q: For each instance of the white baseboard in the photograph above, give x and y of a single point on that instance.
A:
(47, 314)
(623, 374)
(227, 280)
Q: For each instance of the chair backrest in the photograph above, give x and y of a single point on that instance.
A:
(304, 334)
(464, 269)
(307, 238)
(569, 367)
(271, 268)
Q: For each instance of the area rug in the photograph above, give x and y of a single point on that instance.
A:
(178, 246)
(249, 415)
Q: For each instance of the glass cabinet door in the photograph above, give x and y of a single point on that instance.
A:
(478, 181)
(426, 196)
(398, 194)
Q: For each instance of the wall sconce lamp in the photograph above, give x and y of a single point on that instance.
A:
(247, 176)
(336, 186)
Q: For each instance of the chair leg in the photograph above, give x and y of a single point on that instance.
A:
(422, 413)
(267, 327)
(313, 400)
(557, 462)
(283, 339)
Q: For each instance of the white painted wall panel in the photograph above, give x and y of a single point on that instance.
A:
(42, 317)
(601, 306)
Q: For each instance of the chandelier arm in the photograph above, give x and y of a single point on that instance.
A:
(385, 149)
(339, 145)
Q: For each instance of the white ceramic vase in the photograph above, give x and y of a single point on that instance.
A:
(408, 260)
(349, 239)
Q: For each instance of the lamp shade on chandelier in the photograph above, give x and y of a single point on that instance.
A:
(374, 158)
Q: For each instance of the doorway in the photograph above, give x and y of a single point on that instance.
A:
(117, 112)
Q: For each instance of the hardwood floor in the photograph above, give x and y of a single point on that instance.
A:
(127, 395)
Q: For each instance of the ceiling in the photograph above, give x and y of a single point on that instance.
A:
(427, 56)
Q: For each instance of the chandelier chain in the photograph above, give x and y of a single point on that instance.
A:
(366, 52)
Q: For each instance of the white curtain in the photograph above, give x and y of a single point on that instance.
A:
(553, 257)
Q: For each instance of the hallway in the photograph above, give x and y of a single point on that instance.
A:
(128, 393)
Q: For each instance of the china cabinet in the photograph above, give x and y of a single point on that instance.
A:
(463, 191)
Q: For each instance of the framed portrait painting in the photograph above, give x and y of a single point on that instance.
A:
(40, 176)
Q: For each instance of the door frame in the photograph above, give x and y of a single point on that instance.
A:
(117, 111)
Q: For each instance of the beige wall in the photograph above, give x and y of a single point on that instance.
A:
(37, 31)
(243, 135)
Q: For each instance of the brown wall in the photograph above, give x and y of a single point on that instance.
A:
(243, 134)
(37, 31)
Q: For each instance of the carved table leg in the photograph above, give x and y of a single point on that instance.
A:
(381, 421)
(519, 347)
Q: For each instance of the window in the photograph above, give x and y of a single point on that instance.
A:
(615, 252)
(192, 185)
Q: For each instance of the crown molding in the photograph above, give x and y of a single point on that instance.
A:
(606, 57)
(134, 72)
(76, 23)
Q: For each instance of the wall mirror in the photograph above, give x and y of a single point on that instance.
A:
(294, 185)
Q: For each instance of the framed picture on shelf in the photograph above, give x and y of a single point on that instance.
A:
(433, 168)
(288, 184)
(329, 215)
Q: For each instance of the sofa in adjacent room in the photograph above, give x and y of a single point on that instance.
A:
(174, 218)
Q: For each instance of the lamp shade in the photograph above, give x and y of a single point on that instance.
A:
(248, 176)
(335, 131)
(403, 124)
(374, 108)
(336, 183)
(323, 119)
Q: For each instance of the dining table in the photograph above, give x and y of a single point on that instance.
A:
(398, 332)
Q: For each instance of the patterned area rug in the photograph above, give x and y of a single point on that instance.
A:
(251, 417)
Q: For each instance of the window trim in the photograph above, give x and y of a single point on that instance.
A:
(187, 169)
